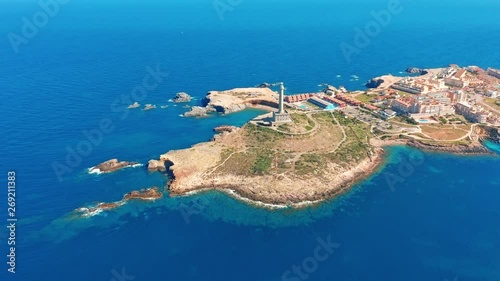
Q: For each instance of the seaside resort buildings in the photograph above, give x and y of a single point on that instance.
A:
(447, 93)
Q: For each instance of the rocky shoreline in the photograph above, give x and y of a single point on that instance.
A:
(344, 182)
(338, 185)
(457, 149)
(472, 149)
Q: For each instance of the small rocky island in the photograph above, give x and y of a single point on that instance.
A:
(182, 97)
(112, 165)
(147, 194)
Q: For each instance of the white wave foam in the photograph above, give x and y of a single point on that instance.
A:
(90, 214)
(94, 170)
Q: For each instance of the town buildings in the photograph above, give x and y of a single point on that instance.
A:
(472, 113)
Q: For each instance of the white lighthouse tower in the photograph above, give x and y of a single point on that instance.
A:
(282, 97)
(281, 116)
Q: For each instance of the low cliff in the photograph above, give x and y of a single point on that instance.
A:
(235, 100)
(474, 148)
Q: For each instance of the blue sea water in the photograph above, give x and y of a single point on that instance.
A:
(439, 221)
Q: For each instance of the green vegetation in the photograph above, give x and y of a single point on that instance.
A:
(263, 162)
(264, 151)
(356, 146)
(344, 120)
(309, 164)
(262, 136)
(442, 120)
(364, 98)
(285, 128)
(303, 121)
(408, 120)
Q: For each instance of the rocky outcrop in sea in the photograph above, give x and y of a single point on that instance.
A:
(156, 166)
(147, 194)
(134, 105)
(144, 194)
(182, 97)
(415, 70)
(112, 165)
(222, 129)
(149, 106)
(374, 83)
(199, 111)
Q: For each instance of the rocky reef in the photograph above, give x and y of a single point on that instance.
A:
(199, 111)
(415, 70)
(134, 105)
(144, 194)
(182, 97)
(149, 106)
(147, 194)
(374, 83)
(156, 166)
(222, 129)
(112, 165)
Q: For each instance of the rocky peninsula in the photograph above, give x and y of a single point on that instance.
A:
(272, 167)
(312, 156)
(225, 102)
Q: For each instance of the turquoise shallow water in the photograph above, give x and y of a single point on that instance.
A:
(439, 222)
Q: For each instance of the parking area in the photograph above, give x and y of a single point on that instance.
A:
(367, 118)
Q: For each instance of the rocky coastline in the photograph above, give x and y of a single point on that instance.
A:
(459, 149)
(475, 148)
(374, 83)
(338, 186)
(196, 169)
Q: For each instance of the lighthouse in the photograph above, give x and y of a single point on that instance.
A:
(281, 98)
(281, 116)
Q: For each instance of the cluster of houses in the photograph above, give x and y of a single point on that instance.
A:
(439, 93)
(447, 93)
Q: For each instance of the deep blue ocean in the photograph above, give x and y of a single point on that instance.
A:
(440, 221)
